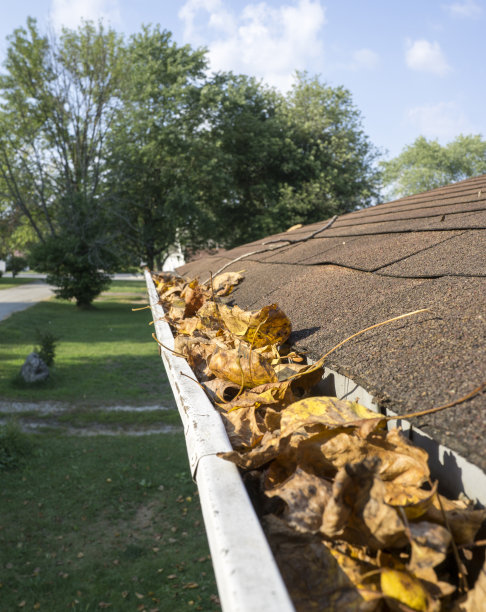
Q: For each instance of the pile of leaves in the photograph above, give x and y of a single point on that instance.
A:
(350, 509)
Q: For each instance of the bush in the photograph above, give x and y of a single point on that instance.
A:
(47, 346)
(16, 264)
(15, 446)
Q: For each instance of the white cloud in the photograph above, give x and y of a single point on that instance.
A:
(69, 13)
(466, 8)
(443, 121)
(262, 40)
(426, 56)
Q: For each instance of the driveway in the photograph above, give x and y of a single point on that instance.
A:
(23, 296)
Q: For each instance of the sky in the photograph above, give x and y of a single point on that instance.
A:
(414, 67)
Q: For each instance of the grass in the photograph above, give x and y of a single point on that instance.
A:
(8, 283)
(88, 523)
(105, 356)
(92, 523)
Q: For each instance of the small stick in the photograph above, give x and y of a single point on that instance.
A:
(467, 397)
(167, 348)
(142, 308)
(277, 246)
(462, 578)
(320, 362)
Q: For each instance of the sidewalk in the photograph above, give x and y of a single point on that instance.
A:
(22, 297)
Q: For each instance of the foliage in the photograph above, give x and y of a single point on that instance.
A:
(332, 168)
(152, 154)
(47, 346)
(15, 446)
(16, 264)
(58, 97)
(426, 164)
(275, 161)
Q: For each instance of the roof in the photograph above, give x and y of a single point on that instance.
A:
(423, 251)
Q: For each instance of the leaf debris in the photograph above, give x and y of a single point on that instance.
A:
(334, 478)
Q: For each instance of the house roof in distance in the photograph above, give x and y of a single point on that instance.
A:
(423, 251)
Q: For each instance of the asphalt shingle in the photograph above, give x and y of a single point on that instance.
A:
(424, 251)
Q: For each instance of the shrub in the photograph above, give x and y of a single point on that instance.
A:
(47, 346)
(16, 264)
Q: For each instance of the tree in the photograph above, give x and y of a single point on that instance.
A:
(426, 164)
(332, 167)
(282, 160)
(152, 159)
(58, 100)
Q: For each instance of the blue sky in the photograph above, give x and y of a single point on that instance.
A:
(414, 67)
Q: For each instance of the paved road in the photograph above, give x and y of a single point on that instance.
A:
(23, 296)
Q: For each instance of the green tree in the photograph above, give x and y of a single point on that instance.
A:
(332, 167)
(58, 100)
(152, 159)
(281, 160)
(426, 164)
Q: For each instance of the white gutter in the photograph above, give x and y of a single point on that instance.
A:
(247, 575)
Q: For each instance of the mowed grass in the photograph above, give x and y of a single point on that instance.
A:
(105, 356)
(8, 283)
(103, 523)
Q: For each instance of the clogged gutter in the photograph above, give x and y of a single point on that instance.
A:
(349, 508)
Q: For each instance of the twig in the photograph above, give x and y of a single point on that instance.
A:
(320, 362)
(167, 348)
(467, 397)
(142, 308)
(287, 241)
(460, 573)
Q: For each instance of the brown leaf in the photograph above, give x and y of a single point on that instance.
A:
(476, 598)
(194, 298)
(430, 543)
(241, 366)
(223, 284)
(463, 520)
(357, 511)
(314, 578)
(306, 496)
(243, 427)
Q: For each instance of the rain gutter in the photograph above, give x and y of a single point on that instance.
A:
(246, 573)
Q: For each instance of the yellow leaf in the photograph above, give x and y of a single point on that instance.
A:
(404, 588)
(242, 366)
(269, 325)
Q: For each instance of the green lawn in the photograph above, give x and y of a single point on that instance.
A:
(104, 522)
(8, 283)
(105, 356)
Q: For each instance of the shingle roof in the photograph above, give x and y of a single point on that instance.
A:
(426, 250)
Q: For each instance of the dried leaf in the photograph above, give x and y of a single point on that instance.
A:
(269, 325)
(194, 298)
(357, 511)
(242, 366)
(430, 543)
(404, 588)
(224, 283)
(476, 598)
(306, 496)
(463, 521)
